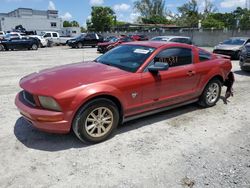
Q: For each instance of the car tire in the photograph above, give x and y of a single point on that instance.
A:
(96, 120)
(93, 46)
(2, 47)
(211, 93)
(79, 45)
(34, 47)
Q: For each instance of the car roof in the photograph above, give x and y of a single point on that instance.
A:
(172, 36)
(155, 44)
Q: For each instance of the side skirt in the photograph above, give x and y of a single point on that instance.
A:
(129, 118)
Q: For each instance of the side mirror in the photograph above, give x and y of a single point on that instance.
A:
(158, 66)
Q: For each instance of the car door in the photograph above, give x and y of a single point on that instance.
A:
(56, 38)
(88, 40)
(177, 84)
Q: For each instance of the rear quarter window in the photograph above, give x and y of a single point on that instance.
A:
(204, 56)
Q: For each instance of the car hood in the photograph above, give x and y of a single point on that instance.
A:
(51, 82)
(105, 43)
(228, 47)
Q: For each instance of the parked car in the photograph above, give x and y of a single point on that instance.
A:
(245, 58)
(130, 81)
(2, 34)
(42, 41)
(55, 37)
(90, 39)
(137, 37)
(103, 47)
(13, 41)
(179, 39)
(231, 47)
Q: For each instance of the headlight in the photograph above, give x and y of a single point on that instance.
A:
(49, 103)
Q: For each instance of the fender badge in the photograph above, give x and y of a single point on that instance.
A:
(134, 95)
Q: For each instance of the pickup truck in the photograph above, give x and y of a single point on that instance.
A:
(55, 37)
(14, 41)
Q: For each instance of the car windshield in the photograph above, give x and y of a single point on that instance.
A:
(234, 41)
(113, 40)
(79, 36)
(126, 57)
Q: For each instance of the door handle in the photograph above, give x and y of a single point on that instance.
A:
(191, 73)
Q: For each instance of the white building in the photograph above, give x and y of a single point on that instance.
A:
(31, 20)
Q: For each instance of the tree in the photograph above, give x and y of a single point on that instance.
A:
(156, 19)
(211, 22)
(102, 19)
(70, 24)
(151, 11)
(149, 8)
(189, 14)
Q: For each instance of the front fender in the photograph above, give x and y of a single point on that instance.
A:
(93, 91)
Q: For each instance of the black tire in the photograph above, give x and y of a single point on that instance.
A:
(79, 45)
(204, 99)
(93, 46)
(34, 47)
(2, 47)
(80, 122)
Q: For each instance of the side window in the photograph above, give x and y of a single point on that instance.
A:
(175, 56)
(47, 35)
(88, 36)
(204, 56)
(54, 34)
(92, 36)
(175, 40)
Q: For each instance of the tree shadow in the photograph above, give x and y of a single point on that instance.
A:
(33, 138)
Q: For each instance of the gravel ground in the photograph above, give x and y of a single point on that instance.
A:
(185, 147)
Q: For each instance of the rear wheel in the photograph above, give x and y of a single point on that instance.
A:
(96, 120)
(211, 93)
(1, 47)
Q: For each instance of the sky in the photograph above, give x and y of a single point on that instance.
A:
(80, 10)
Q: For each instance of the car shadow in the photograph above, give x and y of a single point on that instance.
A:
(242, 73)
(35, 139)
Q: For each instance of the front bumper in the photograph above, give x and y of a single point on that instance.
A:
(245, 63)
(102, 49)
(44, 120)
(72, 44)
(231, 53)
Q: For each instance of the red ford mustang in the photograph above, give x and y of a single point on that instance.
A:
(130, 81)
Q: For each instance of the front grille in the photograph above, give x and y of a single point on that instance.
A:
(28, 98)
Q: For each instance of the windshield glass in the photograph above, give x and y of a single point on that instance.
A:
(234, 41)
(126, 57)
(113, 40)
(79, 36)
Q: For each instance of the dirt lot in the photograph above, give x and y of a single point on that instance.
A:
(185, 147)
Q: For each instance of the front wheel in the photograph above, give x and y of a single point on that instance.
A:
(1, 47)
(211, 93)
(96, 120)
(34, 47)
(79, 45)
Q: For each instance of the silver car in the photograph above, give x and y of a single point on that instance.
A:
(179, 39)
(231, 47)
